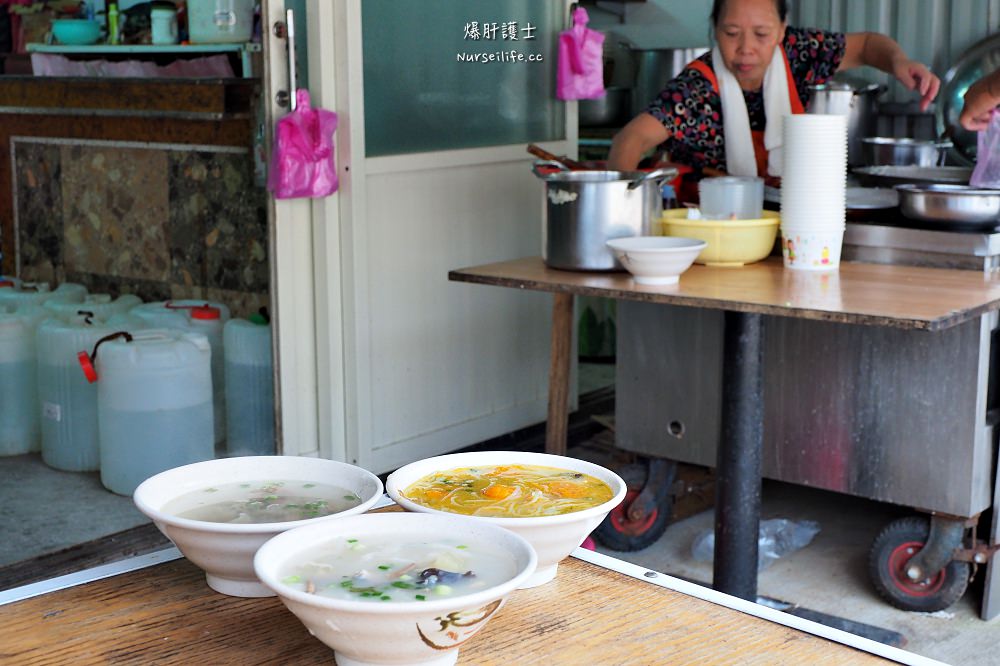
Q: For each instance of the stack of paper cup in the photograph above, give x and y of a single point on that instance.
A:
(813, 190)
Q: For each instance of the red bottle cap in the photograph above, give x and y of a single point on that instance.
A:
(205, 312)
(88, 368)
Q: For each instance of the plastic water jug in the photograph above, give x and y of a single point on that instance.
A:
(99, 305)
(154, 405)
(207, 318)
(37, 293)
(68, 401)
(249, 388)
(19, 417)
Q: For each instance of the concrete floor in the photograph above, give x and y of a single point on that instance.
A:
(830, 574)
(43, 510)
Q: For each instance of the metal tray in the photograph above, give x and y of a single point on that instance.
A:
(890, 176)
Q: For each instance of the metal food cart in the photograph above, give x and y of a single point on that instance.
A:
(891, 415)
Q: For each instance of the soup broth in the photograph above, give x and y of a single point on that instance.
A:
(262, 502)
(514, 491)
(390, 568)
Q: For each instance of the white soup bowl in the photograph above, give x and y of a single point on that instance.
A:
(225, 550)
(553, 537)
(656, 260)
(364, 633)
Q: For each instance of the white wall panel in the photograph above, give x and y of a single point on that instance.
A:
(450, 364)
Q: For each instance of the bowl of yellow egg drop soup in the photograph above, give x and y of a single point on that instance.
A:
(552, 501)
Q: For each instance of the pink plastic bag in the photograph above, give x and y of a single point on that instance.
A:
(987, 171)
(302, 164)
(580, 74)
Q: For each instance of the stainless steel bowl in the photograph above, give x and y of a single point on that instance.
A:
(958, 204)
(878, 150)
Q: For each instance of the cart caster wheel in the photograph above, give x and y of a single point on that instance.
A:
(899, 541)
(620, 533)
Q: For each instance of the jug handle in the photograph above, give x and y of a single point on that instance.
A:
(658, 175)
(549, 163)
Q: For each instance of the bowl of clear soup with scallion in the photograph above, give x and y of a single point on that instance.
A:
(219, 512)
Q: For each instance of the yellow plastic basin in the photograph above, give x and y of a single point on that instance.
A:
(730, 242)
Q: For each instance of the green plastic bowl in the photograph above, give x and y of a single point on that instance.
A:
(76, 31)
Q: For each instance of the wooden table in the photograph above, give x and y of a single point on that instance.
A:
(870, 294)
(589, 614)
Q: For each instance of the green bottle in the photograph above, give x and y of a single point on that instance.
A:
(112, 23)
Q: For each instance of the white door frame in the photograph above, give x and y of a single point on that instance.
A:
(317, 414)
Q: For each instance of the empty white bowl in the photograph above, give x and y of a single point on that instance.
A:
(225, 550)
(393, 632)
(553, 537)
(656, 259)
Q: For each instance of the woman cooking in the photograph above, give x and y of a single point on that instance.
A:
(715, 112)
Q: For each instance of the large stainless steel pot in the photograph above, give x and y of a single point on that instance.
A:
(585, 209)
(858, 102)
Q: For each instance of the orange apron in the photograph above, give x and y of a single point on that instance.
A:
(757, 136)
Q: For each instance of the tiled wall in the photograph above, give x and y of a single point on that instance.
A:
(157, 220)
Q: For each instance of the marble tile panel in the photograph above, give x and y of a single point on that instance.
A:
(115, 211)
(98, 283)
(218, 222)
(37, 173)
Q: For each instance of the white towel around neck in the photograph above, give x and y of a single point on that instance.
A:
(740, 159)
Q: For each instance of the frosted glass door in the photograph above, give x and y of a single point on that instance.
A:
(449, 74)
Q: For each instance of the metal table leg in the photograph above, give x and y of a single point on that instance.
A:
(559, 366)
(738, 468)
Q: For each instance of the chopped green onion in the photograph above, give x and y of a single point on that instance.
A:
(384, 567)
(401, 585)
(386, 597)
(463, 547)
(290, 580)
(352, 541)
(308, 485)
(421, 597)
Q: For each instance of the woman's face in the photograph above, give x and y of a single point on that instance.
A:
(747, 32)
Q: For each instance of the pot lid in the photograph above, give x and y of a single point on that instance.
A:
(981, 59)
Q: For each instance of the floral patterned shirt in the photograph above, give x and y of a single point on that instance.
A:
(691, 109)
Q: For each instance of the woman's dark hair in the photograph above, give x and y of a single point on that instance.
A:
(780, 5)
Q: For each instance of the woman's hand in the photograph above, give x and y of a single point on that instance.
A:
(980, 100)
(915, 76)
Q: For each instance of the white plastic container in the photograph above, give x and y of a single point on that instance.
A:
(194, 315)
(38, 293)
(100, 305)
(19, 415)
(220, 21)
(249, 373)
(154, 405)
(68, 401)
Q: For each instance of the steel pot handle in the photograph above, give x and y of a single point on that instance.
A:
(658, 175)
(547, 163)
